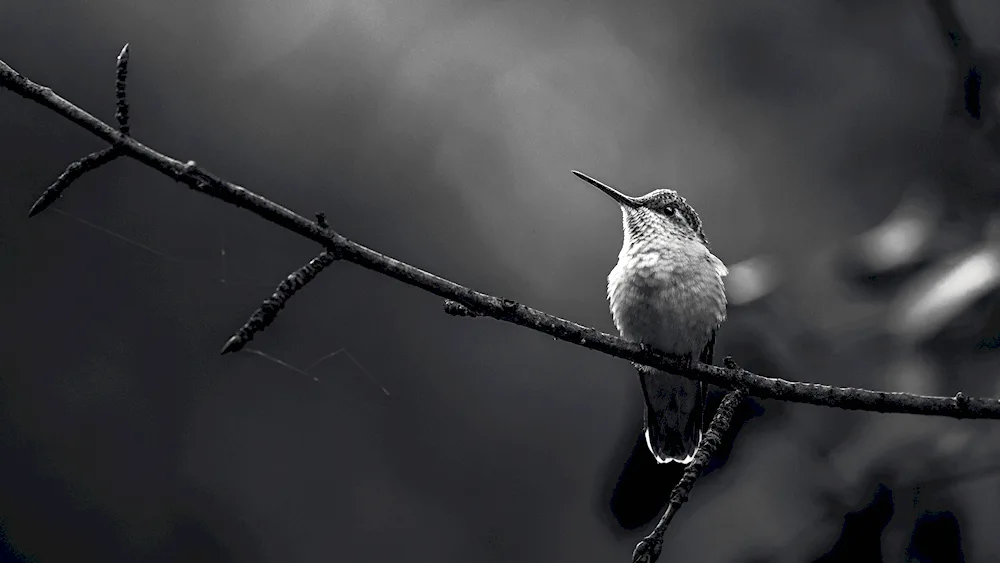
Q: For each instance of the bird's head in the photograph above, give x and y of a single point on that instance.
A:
(653, 211)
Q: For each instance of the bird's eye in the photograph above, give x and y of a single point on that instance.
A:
(677, 213)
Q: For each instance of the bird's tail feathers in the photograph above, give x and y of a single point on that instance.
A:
(674, 415)
(659, 448)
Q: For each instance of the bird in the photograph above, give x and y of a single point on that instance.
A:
(667, 293)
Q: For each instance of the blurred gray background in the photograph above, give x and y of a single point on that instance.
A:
(820, 141)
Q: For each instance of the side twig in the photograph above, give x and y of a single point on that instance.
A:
(96, 159)
(476, 303)
(268, 310)
(75, 170)
(121, 100)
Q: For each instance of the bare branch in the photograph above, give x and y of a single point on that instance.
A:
(269, 309)
(121, 101)
(95, 159)
(482, 304)
(76, 169)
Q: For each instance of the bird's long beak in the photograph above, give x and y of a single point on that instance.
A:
(622, 199)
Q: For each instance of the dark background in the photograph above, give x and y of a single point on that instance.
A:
(442, 133)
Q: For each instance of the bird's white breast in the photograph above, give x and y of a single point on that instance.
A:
(671, 298)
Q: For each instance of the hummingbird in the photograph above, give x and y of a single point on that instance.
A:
(667, 293)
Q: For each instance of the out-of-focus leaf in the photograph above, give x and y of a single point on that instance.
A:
(936, 537)
(913, 372)
(751, 280)
(901, 238)
(991, 229)
(934, 298)
(861, 533)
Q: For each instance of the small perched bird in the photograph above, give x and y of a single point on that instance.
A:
(667, 292)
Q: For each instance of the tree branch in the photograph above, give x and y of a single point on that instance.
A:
(463, 300)
(268, 311)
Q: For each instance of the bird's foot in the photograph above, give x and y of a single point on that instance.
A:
(644, 369)
(685, 361)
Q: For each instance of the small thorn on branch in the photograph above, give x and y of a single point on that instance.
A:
(648, 550)
(121, 114)
(457, 309)
(76, 169)
(268, 310)
(961, 400)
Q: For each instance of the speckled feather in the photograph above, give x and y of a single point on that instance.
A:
(667, 291)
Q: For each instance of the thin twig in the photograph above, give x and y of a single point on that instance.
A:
(96, 159)
(483, 304)
(121, 100)
(648, 550)
(269, 309)
(76, 169)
